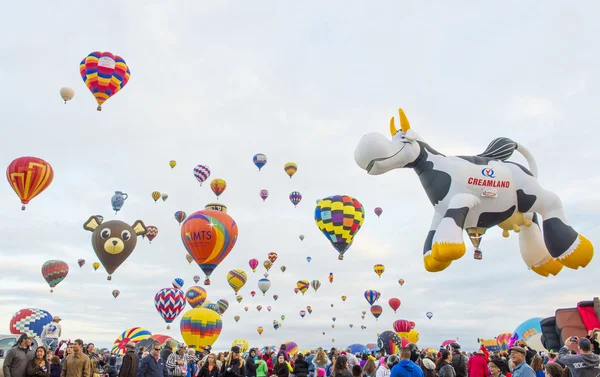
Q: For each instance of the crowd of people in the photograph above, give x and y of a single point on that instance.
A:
(169, 360)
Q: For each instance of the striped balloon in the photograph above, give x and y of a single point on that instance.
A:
(295, 198)
(54, 271)
(223, 305)
(196, 296)
(376, 310)
(236, 279)
(132, 335)
(201, 172)
(29, 321)
(302, 286)
(200, 327)
(104, 74)
(339, 217)
(169, 302)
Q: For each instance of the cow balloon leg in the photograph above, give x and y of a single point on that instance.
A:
(448, 244)
(562, 241)
(534, 251)
(431, 264)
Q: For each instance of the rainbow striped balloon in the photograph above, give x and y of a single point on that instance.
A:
(200, 327)
(133, 335)
(104, 74)
(54, 271)
(236, 279)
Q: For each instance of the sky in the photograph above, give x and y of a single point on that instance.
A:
(216, 82)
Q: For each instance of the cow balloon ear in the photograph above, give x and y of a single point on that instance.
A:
(411, 135)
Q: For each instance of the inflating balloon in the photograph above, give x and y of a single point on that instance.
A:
(236, 279)
(378, 211)
(339, 217)
(200, 327)
(67, 94)
(113, 241)
(218, 186)
(389, 342)
(172, 164)
(180, 216)
(475, 193)
(29, 177)
(81, 262)
(195, 296)
(104, 74)
(133, 335)
(290, 168)
(259, 160)
(201, 172)
(379, 269)
(264, 194)
(295, 198)
(54, 271)
(209, 236)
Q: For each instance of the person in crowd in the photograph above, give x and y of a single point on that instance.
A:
(68, 351)
(300, 366)
(140, 352)
(537, 364)
(370, 369)
(478, 365)
(311, 367)
(356, 371)
(553, 370)
(51, 333)
(131, 363)
(427, 364)
(168, 349)
(192, 361)
(250, 363)
(220, 360)
(55, 367)
(444, 366)
(262, 369)
(234, 365)
(331, 366)
(17, 358)
(498, 367)
(406, 367)
(530, 352)
(363, 360)
(551, 358)
(281, 368)
(352, 360)
(177, 362)
(210, 367)
(340, 367)
(77, 364)
(585, 364)
(153, 365)
(38, 366)
(283, 350)
(459, 361)
(383, 370)
(517, 355)
(594, 337)
(321, 360)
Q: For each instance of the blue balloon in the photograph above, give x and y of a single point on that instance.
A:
(526, 330)
(308, 259)
(357, 348)
(178, 283)
(259, 160)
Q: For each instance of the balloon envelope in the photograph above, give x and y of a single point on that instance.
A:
(29, 177)
(29, 321)
(104, 74)
(67, 94)
(339, 218)
(200, 327)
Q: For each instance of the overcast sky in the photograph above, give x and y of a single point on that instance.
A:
(216, 82)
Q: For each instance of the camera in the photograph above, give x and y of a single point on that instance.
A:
(573, 339)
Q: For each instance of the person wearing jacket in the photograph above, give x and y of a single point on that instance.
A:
(585, 364)
(281, 367)
(261, 368)
(234, 365)
(406, 367)
(444, 365)
(300, 366)
(478, 365)
(459, 361)
(17, 358)
(427, 366)
(153, 365)
(210, 367)
(168, 349)
(250, 364)
(517, 357)
(131, 363)
(38, 366)
(177, 362)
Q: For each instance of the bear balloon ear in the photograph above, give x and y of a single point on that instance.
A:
(139, 228)
(92, 223)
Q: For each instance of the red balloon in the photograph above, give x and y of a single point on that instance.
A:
(394, 303)
(29, 177)
(402, 325)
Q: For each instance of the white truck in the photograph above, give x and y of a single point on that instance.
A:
(6, 343)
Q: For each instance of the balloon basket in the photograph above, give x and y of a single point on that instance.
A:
(23, 207)
(207, 282)
(65, 102)
(478, 255)
(109, 278)
(52, 290)
(99, 108)
(340, 257)
(168, 327)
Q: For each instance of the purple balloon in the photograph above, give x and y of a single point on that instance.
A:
(378, 211)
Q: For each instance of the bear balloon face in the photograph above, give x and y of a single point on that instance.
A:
(113, 241)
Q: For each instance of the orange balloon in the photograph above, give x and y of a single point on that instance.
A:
(29, 177)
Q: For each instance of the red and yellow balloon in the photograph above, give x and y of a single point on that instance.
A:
(29, 177)
(104, 74)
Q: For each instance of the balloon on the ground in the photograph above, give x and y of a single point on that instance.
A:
(113, 241)
(259, 160)
(30, 321)
(526, 330)
(29, 176)
(132, 335)
(200, 327)
(104, 74)
(290, 168)
(54, 271)
(201, 172)
(67, 94)
(241, 343)
(390, 342)
(218, 186)
(169, 303)
(339, 217)
(236, 279)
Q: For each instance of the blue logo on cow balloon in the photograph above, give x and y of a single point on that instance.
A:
(488, 172)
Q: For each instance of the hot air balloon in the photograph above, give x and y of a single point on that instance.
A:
(269, 308)
(315, 284)
(264, 285)
(378, 211)
(331, 277)
(239, 298)
(201, 172)
(333, 319)
(394, 303)
(81, 262)
(301, 237)
(371, 296)
(302, 285)
(282, 268)
(267, 264)
(155, 196)
(96, 266)
(104, 74)
(151, 232)
(339, 217)
(296, 290)
(209, 236)
(302, 313)
(376, 310)
(253, 264)
(259, 160)
(282, 318)
(223, 305)
(54, 271)
(200, 327)
(237, 318)
(260, 330)
(116, 293)
(246, 308)
(236, 279)
(177, 283)
(180, 217)
(272, 257)
(401, 326)
(379, 269)
(308, 259)
(172, 164)
(169, 302)
(389, 342)
(117, 201)
(344, 298)
(30, 321)
(331, 305)
(196, 296)
(295, 198)
(164, 197)
(290, 168)
(401, 282)
(218, 186)
(429, 315)
(275, 297)
(67, 94)
(252, 293)
(309, 309)
(196, 277)
(264, 194)
(29, 177)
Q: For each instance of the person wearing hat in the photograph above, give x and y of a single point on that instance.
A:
(517, 356)
(234, 365)
(498, 368)
(17, 358)
(459, 361)
(584, 364)
(51, 333)
(131, 363)
(478, 365)
(177, 363)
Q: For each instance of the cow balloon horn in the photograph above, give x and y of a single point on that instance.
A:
(404, 123)
(393, 129)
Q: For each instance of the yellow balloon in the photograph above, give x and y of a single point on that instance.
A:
(242, 343)
(236, 279)
(200, 327)
(155, 196)
(172, 163)
(413, 336)
(96, 266)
